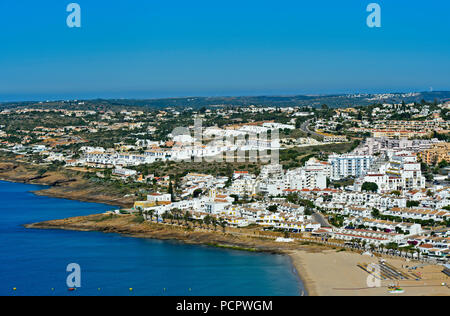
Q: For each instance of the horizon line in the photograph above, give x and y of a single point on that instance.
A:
(59, 99)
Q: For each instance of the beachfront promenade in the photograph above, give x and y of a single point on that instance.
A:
(319, 241)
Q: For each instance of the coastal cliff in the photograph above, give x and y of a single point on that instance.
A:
(65, 184)
(132, 226)
(323, 270)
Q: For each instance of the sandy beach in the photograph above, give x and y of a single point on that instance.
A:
(334, 273)
(323, 271)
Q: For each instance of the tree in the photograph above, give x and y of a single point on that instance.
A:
(443, 164)
(165, 215)
(360, 116)
(177, 214)
(170, 191)
(151, 213)
(369, 187)
(187, 217)
(412, 204)
(223, 224)
(207, 220)
(272, 208)
(375, 213)
(197, 193)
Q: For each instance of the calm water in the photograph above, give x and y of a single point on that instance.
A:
(34, 261)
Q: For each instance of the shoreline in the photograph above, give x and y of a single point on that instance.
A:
(308, 283)
(123, 225)
(337, 273)
(309, 262)
(308, 288)
(64, 184)
(322, 271)
(303, 284)
(45, 192)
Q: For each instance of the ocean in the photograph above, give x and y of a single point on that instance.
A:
(34, 262)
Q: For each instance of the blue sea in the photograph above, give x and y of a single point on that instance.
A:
(33, 262)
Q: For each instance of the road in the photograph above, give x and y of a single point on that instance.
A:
(304, 128)
(319, 218)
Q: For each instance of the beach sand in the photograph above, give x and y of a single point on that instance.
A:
(333, 273)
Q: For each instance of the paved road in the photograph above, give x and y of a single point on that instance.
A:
(320, 219)
(304, 128)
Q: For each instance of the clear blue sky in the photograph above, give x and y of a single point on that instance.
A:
(157, 48)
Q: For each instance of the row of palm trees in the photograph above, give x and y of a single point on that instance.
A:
(390, 249)
(180, 217)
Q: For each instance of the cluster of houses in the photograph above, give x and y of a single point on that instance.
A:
(380, 216)
(184, 147)
(395, 222)
(289, 217)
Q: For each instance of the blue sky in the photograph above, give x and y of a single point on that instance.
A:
(159, 48)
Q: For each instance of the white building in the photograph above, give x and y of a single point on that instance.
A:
(158, 197)
(323, 166)
(122, 172)
(343, 166)
(274, 181)
(403, 172)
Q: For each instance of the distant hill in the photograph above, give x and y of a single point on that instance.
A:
(344, 100)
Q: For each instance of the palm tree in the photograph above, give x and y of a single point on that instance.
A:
(207, 220)
(165, 215)
(151, 212)
(173, 214)
(187, 216)
(418, 253)
(180, 216)
(177, 214)
(223, 223)
(364, 243)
